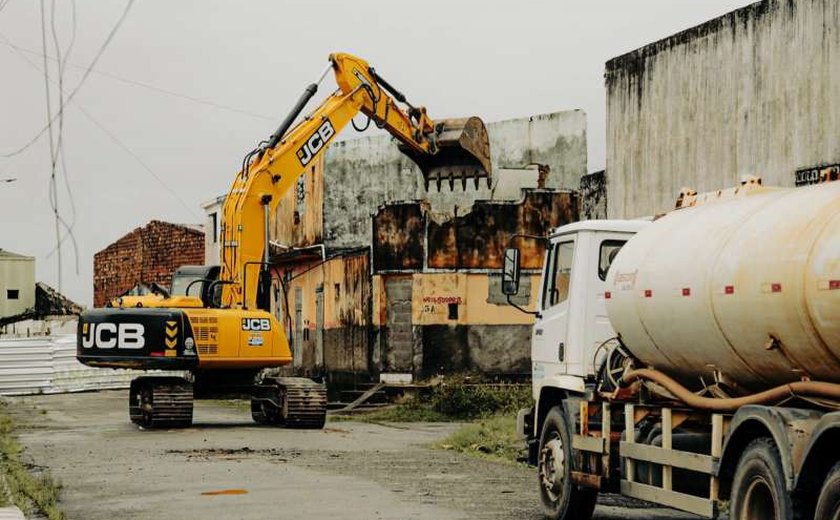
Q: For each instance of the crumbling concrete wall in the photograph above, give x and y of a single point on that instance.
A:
(593, 196)
(149, 254)
(365, 173)
(437, 301)
(753, 92)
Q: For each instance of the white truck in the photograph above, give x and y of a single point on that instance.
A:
(692, 360)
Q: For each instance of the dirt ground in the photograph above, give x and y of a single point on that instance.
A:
(225, 466)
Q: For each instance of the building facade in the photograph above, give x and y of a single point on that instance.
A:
(17, 283)
(345, 312)
(145, 257)
(753, 92)
(437, 300)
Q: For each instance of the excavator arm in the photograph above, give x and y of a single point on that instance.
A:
(447, 150)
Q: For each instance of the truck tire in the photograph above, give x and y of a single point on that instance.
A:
(758, 487)
(561, 498)
(828, 505)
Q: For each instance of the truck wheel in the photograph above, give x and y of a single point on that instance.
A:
(758, 488)
(561, 498)
(828, 505)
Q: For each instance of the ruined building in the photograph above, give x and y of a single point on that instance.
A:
(375, 276)
(145, 258)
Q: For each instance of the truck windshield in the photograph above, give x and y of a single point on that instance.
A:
(181, 282)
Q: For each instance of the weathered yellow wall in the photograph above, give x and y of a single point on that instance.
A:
(433, 292)
(346, 297)
(346, 289)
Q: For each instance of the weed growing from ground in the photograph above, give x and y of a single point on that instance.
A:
(30, 492)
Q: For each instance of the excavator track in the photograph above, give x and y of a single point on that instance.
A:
(161, 402)
(293, 402)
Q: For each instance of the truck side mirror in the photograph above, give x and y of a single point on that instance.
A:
(510, 272)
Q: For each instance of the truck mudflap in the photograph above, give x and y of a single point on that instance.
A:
(138, 338)
(525, 432)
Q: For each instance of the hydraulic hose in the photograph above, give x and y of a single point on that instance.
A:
(775, 395)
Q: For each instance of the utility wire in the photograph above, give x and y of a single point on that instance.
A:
(85, 76)
(122, 145)
(52, 189)
(59, 149)
(149, 86)
(139, 160)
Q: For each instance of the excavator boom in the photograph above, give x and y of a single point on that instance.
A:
(445, 150)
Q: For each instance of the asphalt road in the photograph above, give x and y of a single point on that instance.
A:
(227, 467)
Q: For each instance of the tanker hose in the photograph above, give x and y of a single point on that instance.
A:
(814, 389)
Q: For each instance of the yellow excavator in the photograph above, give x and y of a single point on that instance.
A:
(216, 322)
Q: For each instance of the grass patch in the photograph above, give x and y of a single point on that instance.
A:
(491, 437)
(460, 398)
(410, 410)
(29, 492)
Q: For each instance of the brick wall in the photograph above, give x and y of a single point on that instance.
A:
(146, 255)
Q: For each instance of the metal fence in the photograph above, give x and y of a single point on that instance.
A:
(47, 365)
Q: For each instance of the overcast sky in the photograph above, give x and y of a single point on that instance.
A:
(134, 153)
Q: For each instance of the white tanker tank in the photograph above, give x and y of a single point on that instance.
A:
(744, 291)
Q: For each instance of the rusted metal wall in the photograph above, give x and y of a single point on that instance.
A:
(334, 337)
(474, 240)
(398, 232)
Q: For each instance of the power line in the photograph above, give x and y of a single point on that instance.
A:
(58, 153)
(128, 81)
(85, 76)
(122, 145)
(52, 188)
(139, 160)
(149, 86)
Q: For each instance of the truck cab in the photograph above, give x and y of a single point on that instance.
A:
(571, 316)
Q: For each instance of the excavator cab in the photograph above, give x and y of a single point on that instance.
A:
(461, 152)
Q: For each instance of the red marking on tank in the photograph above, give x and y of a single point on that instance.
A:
(833, 285)
(776, 287)
(729, 289)
(607, 295)
(156, 354)
(686, 291)
(648, 293)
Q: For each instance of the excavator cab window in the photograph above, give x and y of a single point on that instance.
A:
(186, 285)
(197, 280)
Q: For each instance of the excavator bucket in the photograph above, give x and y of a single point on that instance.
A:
(462, 153)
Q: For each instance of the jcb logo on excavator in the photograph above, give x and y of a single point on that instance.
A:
(315, 142)
(111, 335)
(256, 324)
